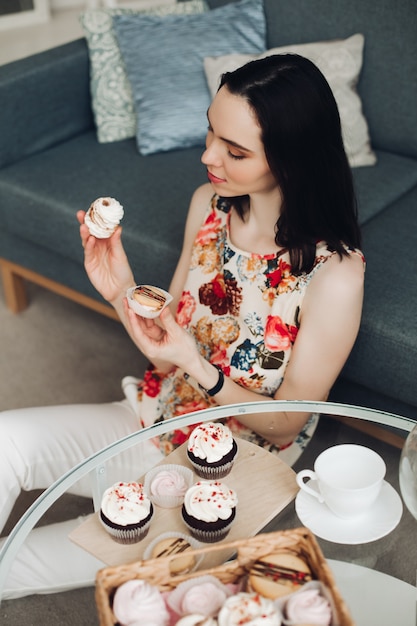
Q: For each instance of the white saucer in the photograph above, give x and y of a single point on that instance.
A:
(380, 520)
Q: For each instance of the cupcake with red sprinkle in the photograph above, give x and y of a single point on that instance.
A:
(211, 450)
(209, 510)
(126, 512)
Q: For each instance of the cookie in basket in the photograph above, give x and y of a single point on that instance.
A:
(278, 574)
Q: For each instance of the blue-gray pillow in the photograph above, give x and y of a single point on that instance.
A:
(164, 61)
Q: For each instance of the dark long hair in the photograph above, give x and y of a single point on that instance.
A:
(302, 138)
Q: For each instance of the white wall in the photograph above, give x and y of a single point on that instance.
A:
(57, 5)
(65, 4)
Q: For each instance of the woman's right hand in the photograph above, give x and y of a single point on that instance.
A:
(106, 263)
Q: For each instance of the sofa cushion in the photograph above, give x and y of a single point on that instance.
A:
(347, 392)
(30, 120)
(377, 187)
(111, 93)
(341, 62)
(164, 61)
(385, 353)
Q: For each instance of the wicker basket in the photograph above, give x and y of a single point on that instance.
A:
(157, 571)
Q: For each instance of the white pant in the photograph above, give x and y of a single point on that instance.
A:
(39, 445)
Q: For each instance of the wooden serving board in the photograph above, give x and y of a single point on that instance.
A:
(264, 485)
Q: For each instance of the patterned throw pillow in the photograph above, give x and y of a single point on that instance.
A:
(164, 61)
(341, 62)
(111, 93)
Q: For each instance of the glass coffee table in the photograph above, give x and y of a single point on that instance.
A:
(376, 584)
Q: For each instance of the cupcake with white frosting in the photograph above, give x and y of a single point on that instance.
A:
(211, 450)
(126, 512)
(209, 510)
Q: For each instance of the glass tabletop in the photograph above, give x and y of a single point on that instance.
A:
(368, 549)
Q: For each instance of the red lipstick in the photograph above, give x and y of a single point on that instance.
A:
(213, 179)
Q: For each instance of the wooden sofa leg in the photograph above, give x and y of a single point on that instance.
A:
(14, 288)
(14, 283)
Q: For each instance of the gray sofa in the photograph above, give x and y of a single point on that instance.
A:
(51, 165)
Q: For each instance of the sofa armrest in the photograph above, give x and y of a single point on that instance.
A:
(45, 99)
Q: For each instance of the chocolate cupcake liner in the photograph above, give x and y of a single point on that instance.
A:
(208, 536)
(128, 535)
(209, 472)
(214, 471)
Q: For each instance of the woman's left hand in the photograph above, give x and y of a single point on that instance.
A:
(164, 341)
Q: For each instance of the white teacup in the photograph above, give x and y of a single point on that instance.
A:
(349, 479)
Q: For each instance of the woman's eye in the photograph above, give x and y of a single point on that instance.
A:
(237, 157)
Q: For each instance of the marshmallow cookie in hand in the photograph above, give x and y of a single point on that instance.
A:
(103, 217)
(148, 301)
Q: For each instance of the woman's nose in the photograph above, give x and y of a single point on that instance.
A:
(211, 155)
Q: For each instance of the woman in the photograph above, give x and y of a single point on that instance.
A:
(267, 292)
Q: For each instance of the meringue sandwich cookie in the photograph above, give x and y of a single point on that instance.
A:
(173, 543)
(211, 450)
(126, 512)
(103, 217)
(276, 575)
(209, 510)
(148, 301)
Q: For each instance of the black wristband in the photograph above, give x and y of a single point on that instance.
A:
(218, 386)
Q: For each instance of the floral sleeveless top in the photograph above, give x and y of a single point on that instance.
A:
(243, 311)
